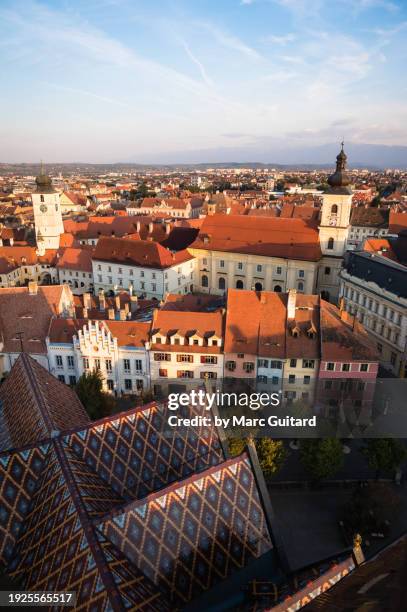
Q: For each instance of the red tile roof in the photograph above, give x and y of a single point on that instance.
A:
(128, 333)
(73, 258)
(287, 238)
(140, 253)
(397, 222)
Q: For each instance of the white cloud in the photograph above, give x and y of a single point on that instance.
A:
(229, 40)
(282, 39)
(196, 61)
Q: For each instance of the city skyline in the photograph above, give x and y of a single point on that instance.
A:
(273, 81)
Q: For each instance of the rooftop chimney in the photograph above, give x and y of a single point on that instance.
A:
(292, 298)
(167, 228)
(33, 287)
(111, 314)
(86, 301)
(150, 227)
(102, 300)
(138, 226)
(133, 303)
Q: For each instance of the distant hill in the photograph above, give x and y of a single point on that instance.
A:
(276, 155)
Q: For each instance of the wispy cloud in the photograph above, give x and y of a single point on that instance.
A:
(196, 61)
(228, 40)
(282, 39)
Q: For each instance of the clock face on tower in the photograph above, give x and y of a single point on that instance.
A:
(43, 208)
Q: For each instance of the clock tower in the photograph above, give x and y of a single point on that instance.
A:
(334, 228)
(47, 213)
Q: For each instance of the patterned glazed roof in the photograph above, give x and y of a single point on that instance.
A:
(126, 511)
(33, 405)
(196, 532)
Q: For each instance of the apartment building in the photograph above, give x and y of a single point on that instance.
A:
(144, 267)
(74, 267)
(20, 265)
(374, 290)
(185, 346)
(117, 348)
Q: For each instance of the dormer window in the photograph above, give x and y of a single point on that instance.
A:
(158, 340)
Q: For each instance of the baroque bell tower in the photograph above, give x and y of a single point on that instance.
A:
(334, 228)
(47, 213)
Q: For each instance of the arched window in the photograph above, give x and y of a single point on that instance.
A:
(222, 283)
(334, 209)
(258, 287)
(239, 284)
(330, 245)
(300, 286)
(204, 281)
(277, 288)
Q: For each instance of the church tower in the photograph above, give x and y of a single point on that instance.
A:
(334, 228)
(47, 214)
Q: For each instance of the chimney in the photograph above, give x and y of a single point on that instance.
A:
(150, 227)
(138, 226)
(117, 302)
(111, 314)
(102, 300)
(133, 303)
(292, 297)
(84, 313)
(33, 287)
(126, 307)
(11, 241)
(122, 314)
(167, 228)
(86, 301)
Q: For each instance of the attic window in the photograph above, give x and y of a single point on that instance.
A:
(295, 332)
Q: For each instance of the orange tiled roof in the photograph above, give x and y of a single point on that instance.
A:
(270, 237)
(140, 253)
(73, 258)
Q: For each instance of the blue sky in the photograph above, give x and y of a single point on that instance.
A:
(128, 80)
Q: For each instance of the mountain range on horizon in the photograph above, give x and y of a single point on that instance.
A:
(281, 154)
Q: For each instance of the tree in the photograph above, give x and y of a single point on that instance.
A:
(322, 457)
(237, 446)
(384, 454)
(89, 389)
(271, 453)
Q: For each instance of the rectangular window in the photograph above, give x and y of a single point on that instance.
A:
(99, 278)
(330, 366)
(108, 365)
(364, 367)
(138, 365)
(72, 380)
(110, 384)
(206, 375)
(328, 272)
(222, 263)
(126, 365)
(162, 357)
(85, 362)
(262, 363)
(97, 364)
(291, 379)
(128, 384)
(293, 363)
(240, 355)
(183, 358)
(248, 366)
(275, 380)
(61, 378)
(240, 265)
(259, 268)
(301, 273)
(209, 359)
(185, 374)
(307, 380)
(276, 365)
(139, 384)
(262, 379)
(163, 373)
(58, 361)
(231, 366)
(278, 270)
(153, 287)
(393, 359)
(345, 367)
(153, 275)
(308, 363)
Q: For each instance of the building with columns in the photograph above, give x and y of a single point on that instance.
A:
(47, 214)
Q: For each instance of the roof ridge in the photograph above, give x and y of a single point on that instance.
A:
(37, 393)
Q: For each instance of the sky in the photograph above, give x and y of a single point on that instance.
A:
(199, 80)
